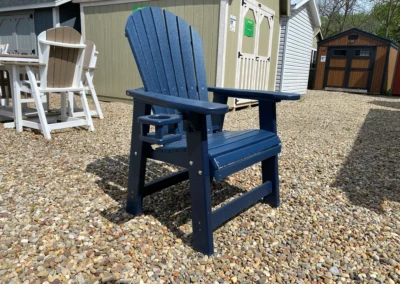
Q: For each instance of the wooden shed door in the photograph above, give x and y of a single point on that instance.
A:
(350, 67)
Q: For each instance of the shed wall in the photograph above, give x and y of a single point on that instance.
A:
(116, 68)
(391, 68)
(298, 52)
(43, 20)
(379, 69)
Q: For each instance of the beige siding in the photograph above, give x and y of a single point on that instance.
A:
(116, 68)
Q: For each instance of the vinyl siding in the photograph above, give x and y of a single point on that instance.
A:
(116, 68)
(298, 51)
(282, 38)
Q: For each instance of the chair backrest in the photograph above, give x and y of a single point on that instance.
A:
(169, 55)
(89, 58)
(4, 48)
(61, 50)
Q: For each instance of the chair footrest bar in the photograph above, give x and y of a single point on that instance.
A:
(227, 211)
(164, 182)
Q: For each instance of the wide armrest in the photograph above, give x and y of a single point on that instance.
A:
(178, 103)
(254, 94)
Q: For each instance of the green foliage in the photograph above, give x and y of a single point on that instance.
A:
(380, 17)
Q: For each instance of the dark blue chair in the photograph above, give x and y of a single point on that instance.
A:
(169, 56)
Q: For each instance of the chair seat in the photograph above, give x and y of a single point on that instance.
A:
(228, 147)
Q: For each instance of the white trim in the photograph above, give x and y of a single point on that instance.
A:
(82, 16)
(35, 6)
(222, 35)
(314, 11)
(56, 17)
(284, 55)
(109, 2)
(277, 54)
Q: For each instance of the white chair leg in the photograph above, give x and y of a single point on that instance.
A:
(63, 107)
(71, 104)
(86, 110)
(39, 105)
(94, 95)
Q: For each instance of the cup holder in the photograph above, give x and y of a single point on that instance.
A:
(166, 126)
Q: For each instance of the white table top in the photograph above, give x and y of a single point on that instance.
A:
(18, 58)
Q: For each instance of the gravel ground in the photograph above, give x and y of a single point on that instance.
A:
(62, 216)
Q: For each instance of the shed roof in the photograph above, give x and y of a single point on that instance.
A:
(378, 38)
(296, 4)
(15, 5)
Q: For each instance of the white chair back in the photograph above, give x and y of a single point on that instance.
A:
(61, 51)
(3, 48)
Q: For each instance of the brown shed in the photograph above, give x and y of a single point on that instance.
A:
(356, 61)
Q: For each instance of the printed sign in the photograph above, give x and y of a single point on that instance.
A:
(135, 8)
(323, 58)
(248, 27)
(232, 23)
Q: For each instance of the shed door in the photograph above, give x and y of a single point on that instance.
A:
(350, 67)
(254, 47)
(19, 32)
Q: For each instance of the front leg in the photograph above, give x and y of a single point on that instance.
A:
(199, 178)
(269, 167)
(137, 162)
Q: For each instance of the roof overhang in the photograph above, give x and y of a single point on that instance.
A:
(35, 6)
(314, 11)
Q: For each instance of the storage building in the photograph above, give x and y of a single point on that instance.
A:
(356, 61)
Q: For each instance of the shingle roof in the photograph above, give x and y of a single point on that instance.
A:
(16, 3)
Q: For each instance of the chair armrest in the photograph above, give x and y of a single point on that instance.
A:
(177, 103)
(255, 94)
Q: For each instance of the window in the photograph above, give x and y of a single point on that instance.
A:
(352, 37)
(339, 52)
(363, 53)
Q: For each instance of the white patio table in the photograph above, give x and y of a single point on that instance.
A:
(12, 63)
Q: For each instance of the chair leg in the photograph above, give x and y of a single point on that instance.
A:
(86, 110)
(199, 179)
(269, 169)
(94, 96)
(137, 163)
(39, 105)
(71, 104)
(63, 107)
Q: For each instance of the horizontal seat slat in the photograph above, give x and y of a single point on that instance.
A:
(233, 156)
(214, 140)
(242, 141)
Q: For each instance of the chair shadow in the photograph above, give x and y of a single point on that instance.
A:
(170, 206)
(371, 172)
(395, 105)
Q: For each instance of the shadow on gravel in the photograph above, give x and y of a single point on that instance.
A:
(395, 105)
(371, 172)
(171, 206)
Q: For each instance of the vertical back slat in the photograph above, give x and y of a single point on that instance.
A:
(58, 58)
(187, 58)
(156, 53)
(153, 84)
(72, 59)
(64, 58)
(198, 57)
(51, 36)
(173, 36)
(161, 31)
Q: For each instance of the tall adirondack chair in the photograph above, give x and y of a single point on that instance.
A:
(169, 56)
(5, 90)
(89, 66)
(60, 69)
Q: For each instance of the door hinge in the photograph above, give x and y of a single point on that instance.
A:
(33, 51)
(269, 59)
(239, 54)
(243, 3)
(236, 101)
(31, 16)
(257, 57)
